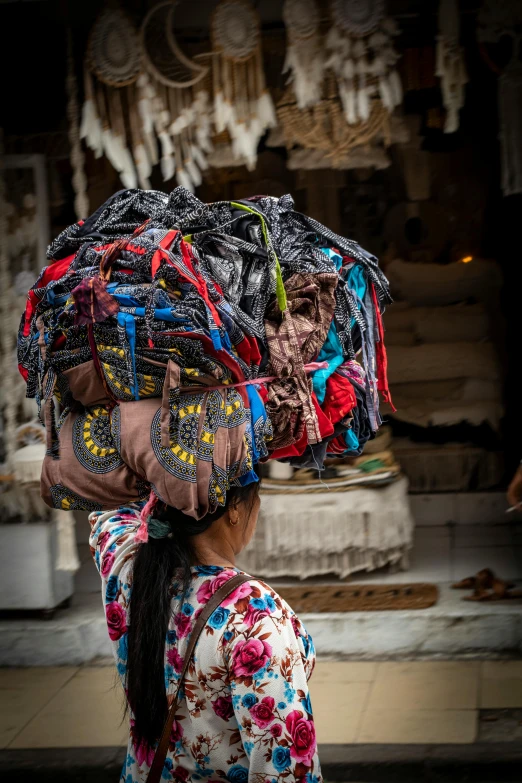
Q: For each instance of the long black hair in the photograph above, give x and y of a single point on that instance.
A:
(150, 608)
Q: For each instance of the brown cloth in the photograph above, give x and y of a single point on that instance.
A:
(295, 338)
(188, 447)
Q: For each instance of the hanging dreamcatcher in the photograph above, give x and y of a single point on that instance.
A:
(140, 89)
(173, 100)
(242, 104)
(362, 57)
(305, 58)
(112, 66)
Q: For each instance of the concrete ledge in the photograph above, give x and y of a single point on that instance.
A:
(486, 762)
(450, 629)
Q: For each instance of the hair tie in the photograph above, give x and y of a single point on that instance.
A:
(142, 534)
(158, 529)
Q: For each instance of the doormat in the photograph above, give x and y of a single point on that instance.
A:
(359, 598)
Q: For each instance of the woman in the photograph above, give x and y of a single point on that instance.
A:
(246, 712)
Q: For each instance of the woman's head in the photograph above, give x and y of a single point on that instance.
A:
(175, 543)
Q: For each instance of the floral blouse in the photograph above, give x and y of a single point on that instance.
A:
(247, 714)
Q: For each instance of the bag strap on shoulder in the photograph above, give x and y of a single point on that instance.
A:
(210, 607)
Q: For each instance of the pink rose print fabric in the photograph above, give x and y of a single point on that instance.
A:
(247, 714)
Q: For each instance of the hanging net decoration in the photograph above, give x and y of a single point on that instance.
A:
(111, 67)
(145, 101)
(358, 18)
(162, 56)
(113, 51)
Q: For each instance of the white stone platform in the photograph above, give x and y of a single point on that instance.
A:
(452, 628)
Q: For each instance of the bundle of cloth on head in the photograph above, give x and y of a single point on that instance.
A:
(172, 345)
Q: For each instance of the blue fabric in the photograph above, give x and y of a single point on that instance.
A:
(357, 285)
(257, 411)
(332, 351)
(351, 439)
(128, 322)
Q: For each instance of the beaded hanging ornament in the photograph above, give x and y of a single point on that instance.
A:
(305, 58)
(172, 99)
(242, 104)
(112, 65)
(362, 57)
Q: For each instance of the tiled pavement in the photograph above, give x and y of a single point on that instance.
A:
(410, 703)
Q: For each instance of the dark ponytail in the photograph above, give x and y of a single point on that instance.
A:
(150, 609)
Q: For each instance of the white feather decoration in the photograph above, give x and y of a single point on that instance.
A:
(143, 166)
(91, 129)
(396, 87)
(385, 93)
(193, 172)
(220, 112)
(128, 173)
(266, 111)
(184, 180)
(198, 157)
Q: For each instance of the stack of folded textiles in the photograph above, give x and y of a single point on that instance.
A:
(172, 345)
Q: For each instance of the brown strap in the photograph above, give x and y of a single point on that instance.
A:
(219, 596)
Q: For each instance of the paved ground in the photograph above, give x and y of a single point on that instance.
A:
(415, 702)
(419, 721)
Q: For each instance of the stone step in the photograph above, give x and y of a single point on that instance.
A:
(452, 628)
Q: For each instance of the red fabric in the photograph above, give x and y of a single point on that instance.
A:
(296, 449)
(248, 350)
(128, 246)
(339, 399)
(59, 342)
(54, 271)
(160, 254)
(200, 282)
(93, 302)
(337, 445)
(380, 353)
(190, 275)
